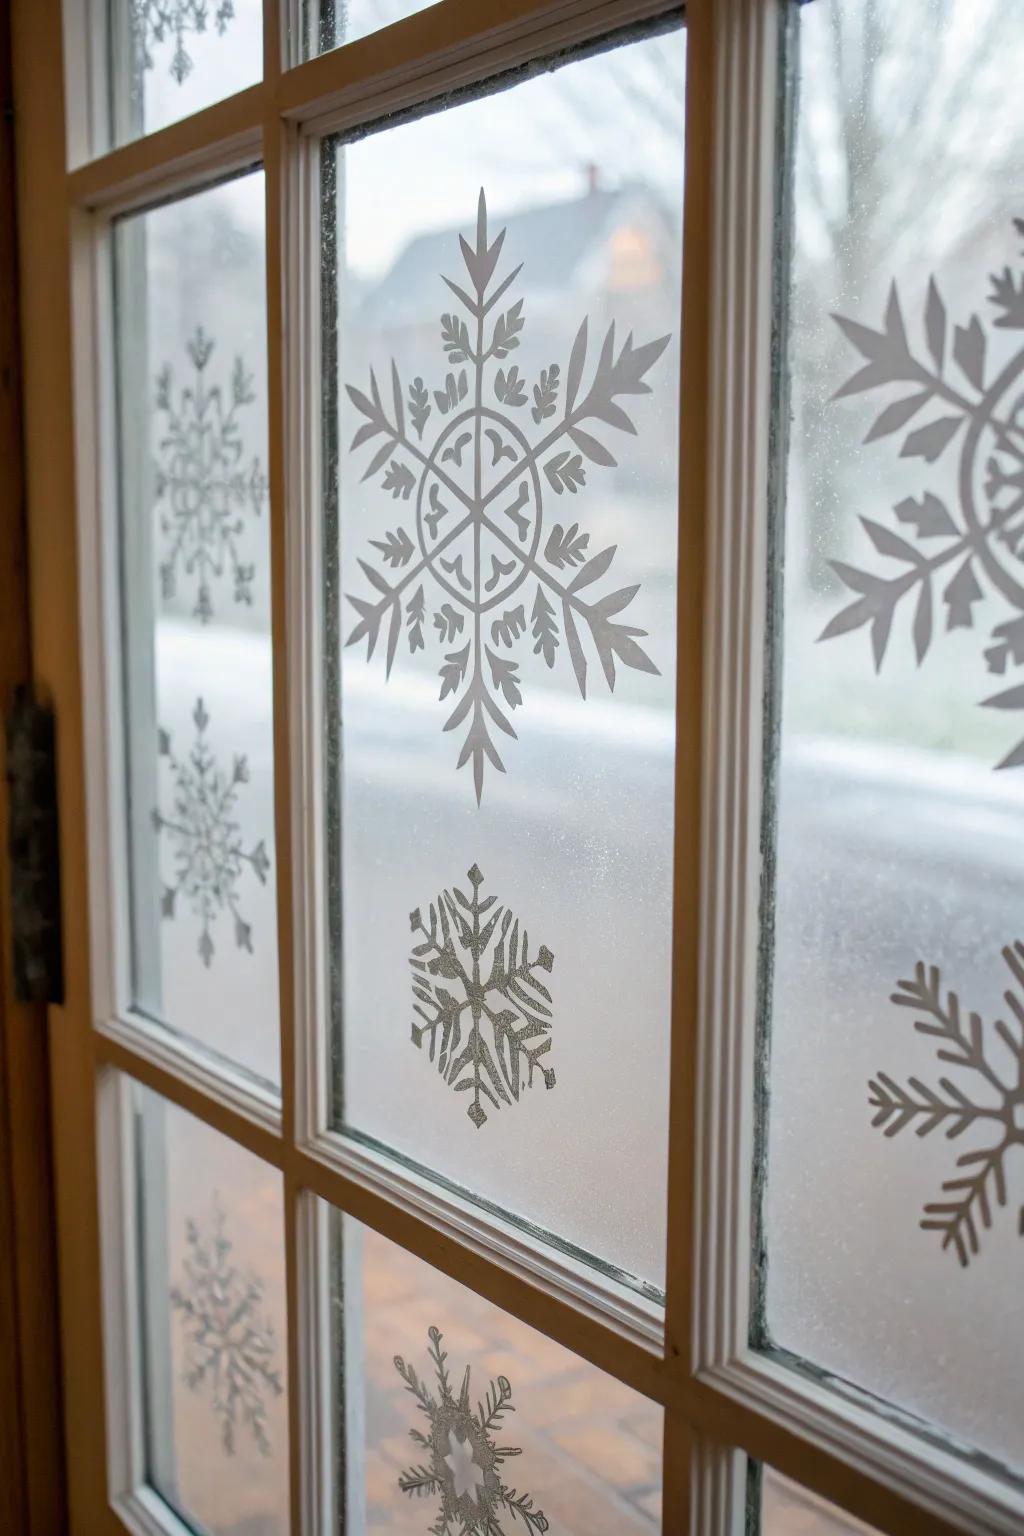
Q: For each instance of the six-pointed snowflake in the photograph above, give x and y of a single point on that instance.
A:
(155, 20)
(479, 948)
(206, 493)
(208, 853)
(229, 1347)
(995, 1105)
(463, 1465)
(978, 539)
(499, 577)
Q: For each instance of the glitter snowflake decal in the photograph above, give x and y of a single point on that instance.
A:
(996, 1107)
(208, 853)
(206, 492)
(464, 1464)
(229, 1346)
(475, 496)
(978, 540)
(479, 948)
(155, 20)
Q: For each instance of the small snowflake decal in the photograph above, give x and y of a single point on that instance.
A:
(463, 1468)
(205, 492)
(978, 540)
(229, 1345)
(508, 1001)
(996, 1103)
(498, 574)
(208, 853)
(155, 20)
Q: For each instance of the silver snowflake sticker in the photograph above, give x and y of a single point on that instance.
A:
(155, 20)
(463, 1466)
(994, 1103)
(975, 544)
(498, 573)
(484, 1013)
(206, 494)
(229, 1344)
(208, 854)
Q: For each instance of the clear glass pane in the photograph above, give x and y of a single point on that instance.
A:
(452, 1410)
(893, 1258)
(169, 58)
(211, 1235)
(501, 839)
(785, 1509)
(330, 24)
(195, 567)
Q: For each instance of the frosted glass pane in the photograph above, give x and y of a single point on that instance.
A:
(507, 505)
(196, 604)
(786, 1509)
(213, 1298)
(332, 23)
(170, 58)
(541, 1441)
(898, 991)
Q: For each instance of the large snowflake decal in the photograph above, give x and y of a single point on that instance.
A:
(979, 539)
(997, 1104)
(229, 1346)
(508, 999)
(206, 492)
(479, 532)
(153, 21)
(464, 1464)
(208, 853)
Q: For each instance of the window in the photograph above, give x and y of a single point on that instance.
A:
(509, 947)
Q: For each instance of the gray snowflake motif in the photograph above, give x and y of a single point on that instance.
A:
(463, 1465)
(996, 1103)
(206, 492)
(208, 853)
(475, 492)
(229, 1346)
(153, 21)
(979, 539)
(479, 948)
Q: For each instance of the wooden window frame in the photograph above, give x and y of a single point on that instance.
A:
(722, 1400)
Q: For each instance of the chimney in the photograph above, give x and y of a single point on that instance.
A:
(593, 177)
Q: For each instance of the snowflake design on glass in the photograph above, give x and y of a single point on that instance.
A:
(479, 532)
(207, 493)
(512, 1003)
(229, 1346)
(153, 21)
(978, 540)
(208, 853)
(464, 1465)
(997, 1103)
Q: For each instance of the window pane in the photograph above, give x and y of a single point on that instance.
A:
(507, 506)
(453, 1408)
(169, 58)
(196, 615)
(331, 23)
(786, 1509)
(898, 991)
(213, 1289)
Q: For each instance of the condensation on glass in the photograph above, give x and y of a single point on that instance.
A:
(448, 1406)
(166, 59)
(328, 24)
(501, 633)
(779, 1507)
(212, 1282)
(195, 582)
(897, 993)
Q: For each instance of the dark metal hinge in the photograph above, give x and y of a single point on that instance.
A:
(33, 848)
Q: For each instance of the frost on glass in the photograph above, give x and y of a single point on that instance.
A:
(170, 58)
(784, 1508)
(896, 1126)
(332, 23)
(456, 1417)
(503, 622)
(194, 565)
(211, 1235)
